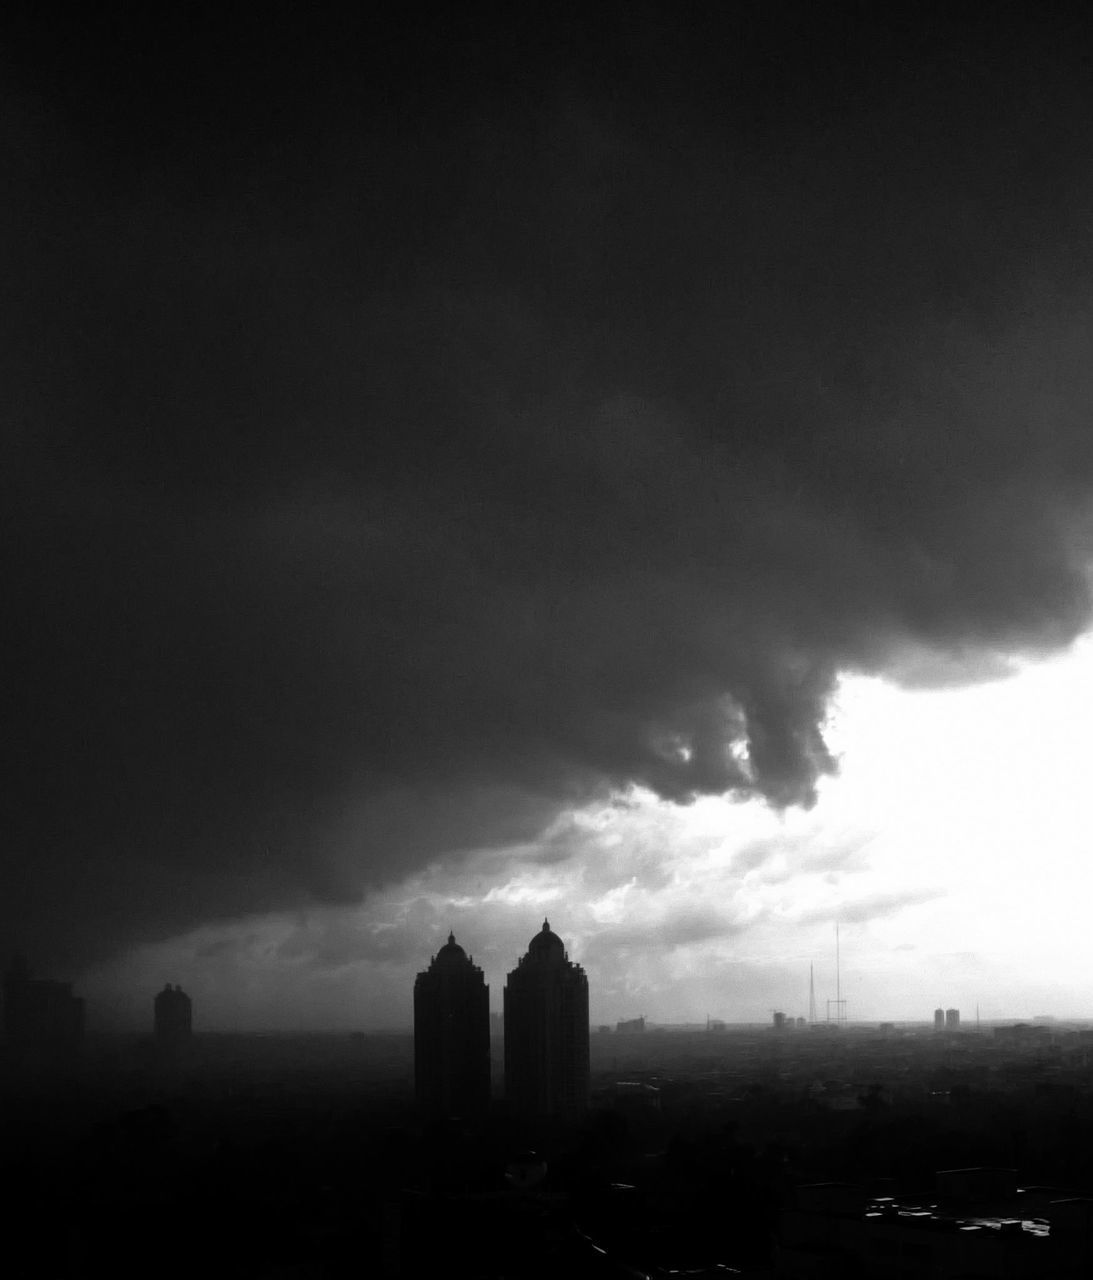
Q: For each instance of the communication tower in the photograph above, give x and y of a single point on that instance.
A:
(838, 1017)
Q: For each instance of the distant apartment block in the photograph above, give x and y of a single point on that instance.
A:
(43, 1020)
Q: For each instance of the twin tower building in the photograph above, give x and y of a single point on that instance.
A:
(546, 1034)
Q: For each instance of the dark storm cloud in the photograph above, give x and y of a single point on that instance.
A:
(413, 433)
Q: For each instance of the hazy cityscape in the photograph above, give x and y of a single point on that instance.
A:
(547, 600)
(528, 1143)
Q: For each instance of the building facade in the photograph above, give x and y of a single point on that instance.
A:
(546, 1033)
(452, 1035)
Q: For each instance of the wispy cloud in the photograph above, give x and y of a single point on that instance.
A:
(872, 907)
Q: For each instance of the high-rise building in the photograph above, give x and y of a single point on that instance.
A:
(546, 1032)
(43, 1020)
(173, 1018)
(939, 1019)
(452, 1035)
(952, 1019)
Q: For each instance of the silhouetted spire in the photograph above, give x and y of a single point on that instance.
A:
(451, 938)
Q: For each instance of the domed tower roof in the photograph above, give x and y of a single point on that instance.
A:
(451, 953)
(546, 946)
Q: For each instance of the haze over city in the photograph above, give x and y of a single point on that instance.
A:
(615, 466)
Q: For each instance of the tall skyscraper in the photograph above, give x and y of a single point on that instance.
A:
(546, 1032)
(952, 1019)
(939, 1019)
(173, 1018)
(452, 1035)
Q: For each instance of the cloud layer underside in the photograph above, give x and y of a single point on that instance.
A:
(384, 477)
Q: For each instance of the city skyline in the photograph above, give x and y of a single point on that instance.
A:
(547, 578)
(331, 965)
(632, 466)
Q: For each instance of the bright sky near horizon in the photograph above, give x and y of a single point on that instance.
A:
(951, 847)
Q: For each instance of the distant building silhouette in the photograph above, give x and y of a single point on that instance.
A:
(952, 1019)
(174, 1018)
(779, 1020)
(43, 1020)
(546, 1032)
(939, 1019)
(452, 1035)
(630, 1026)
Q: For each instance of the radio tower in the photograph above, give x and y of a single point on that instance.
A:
(838, 1002)
(811, 996)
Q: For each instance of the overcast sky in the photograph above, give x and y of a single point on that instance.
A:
(465, 467)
